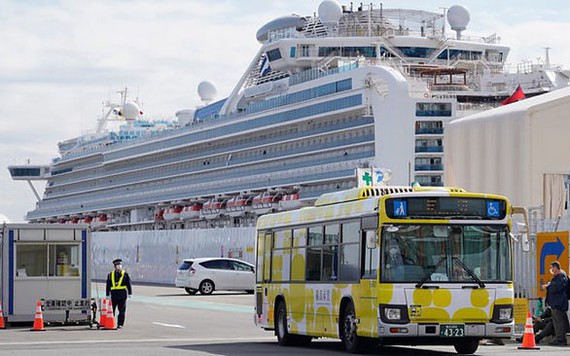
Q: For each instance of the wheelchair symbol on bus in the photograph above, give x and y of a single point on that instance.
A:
(493, 209)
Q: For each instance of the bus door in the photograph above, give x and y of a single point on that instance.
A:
(367, 313)
(263, 273)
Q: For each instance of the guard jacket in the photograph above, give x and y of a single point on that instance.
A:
(118, 281)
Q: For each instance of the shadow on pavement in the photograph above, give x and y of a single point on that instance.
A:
(316, 348)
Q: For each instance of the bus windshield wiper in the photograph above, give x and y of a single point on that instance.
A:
(428, 275)
(469, 272)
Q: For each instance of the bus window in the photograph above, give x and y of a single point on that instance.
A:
(298, 255)
(313, 263)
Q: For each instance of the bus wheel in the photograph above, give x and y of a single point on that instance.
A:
(283, 336)
(467, 347)
(352, 342)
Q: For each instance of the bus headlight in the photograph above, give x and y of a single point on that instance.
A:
(502, 314)
(394, 314)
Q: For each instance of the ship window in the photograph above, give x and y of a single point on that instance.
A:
(433, 109)
(416, 52)
(274, 54)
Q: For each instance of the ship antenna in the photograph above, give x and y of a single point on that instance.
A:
(547, 59)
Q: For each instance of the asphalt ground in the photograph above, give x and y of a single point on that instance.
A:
(164, 320)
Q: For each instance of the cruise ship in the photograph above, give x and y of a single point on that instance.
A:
(325, 97)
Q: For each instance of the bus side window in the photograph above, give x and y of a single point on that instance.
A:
(370, 258)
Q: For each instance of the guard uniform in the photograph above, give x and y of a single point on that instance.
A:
(119, 288)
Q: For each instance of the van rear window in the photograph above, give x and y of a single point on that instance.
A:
(185, 265)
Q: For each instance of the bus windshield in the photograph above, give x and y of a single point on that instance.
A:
(445, 253)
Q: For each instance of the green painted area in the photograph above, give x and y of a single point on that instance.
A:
(194, 304)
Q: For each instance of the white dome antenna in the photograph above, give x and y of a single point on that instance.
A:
(458, 17)
(207, 92)
(330, 12)
(131, 111)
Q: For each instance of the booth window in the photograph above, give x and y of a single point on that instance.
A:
(31, 260)
(42, 260)
(63, 260)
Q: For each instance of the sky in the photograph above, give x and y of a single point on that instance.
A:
(61, 59)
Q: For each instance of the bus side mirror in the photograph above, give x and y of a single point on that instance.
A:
(371, 239)
(525, 231)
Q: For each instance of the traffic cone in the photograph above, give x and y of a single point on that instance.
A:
(103, 320)
(528, 337)
(110, 320)
(2, 324)
(38, 319)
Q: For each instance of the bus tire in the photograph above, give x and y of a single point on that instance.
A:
(467, 346)
(351, 341)
(283, 336)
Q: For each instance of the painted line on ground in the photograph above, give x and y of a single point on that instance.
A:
(169, 325)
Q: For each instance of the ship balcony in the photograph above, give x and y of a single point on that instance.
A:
(429, 167)
(422, 149)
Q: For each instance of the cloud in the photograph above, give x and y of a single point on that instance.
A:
(59, 60)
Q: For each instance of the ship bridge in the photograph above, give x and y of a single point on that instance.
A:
(30, 172)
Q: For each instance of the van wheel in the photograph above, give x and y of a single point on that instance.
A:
(467, 347)
(351, 341)
(191, 291)
(206, 287)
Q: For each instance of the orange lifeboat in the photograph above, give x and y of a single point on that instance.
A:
(290, 201)
(191, 211)
(173, 213)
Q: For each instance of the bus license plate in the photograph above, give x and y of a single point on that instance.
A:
(451, 330)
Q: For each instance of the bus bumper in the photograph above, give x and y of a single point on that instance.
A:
(475, 330)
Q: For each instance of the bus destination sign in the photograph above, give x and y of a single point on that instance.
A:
(446, 208)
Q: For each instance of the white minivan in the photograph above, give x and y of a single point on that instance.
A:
(208, 274)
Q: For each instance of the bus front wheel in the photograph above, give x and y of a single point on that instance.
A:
(351, 341)
(467, 347)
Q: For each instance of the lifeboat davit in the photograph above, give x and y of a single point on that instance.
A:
(239, 205)
(213, 208)
(265, 202)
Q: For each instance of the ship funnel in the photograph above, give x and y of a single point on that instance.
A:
(458, 17)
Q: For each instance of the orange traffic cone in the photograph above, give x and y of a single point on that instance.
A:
(528, 337)
(38, 319)
(103, 320)
(110, 321)
(2, 324)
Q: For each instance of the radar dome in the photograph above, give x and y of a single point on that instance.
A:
(131, 111)
(330, 11)
(207, 91)
(4, 219)
(458, 17)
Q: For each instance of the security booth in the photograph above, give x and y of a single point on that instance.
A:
(48, 263)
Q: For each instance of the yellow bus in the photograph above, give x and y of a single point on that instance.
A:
(388, 265)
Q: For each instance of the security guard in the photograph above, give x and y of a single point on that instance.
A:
(118, 285)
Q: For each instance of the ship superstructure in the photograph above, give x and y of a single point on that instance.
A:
(324, 95)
